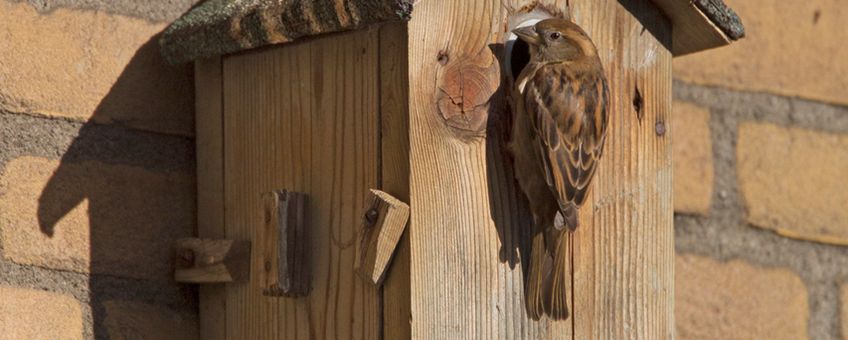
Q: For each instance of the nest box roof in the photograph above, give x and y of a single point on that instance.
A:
(217, 27)
(700, 24)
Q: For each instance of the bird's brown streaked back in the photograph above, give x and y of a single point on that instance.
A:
(570, 118)
(566, 99)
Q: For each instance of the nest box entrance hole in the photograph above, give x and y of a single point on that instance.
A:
(518, 57)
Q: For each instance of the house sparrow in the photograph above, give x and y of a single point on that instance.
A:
(560, 104)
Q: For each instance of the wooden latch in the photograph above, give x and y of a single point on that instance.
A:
(212, 261)
(383, 224)
(285, 245)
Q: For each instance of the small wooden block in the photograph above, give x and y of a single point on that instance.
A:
(212, 261)
(382, 226)
(285, 246)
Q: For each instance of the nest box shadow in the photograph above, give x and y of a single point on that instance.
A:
(129, 255)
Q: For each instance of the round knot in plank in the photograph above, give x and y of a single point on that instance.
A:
(465, 88)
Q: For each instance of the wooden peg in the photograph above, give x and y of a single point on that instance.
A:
(212, 261)
(285, 245)
(383, 224)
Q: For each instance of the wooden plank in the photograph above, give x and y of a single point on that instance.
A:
(468, 233)
(624, 251)
(468, 219)
(383, 224)
(394, 170)
(723, 17)
(208, 86)
(285, 245)
(212, 261)
(304, 116)
(693, 30)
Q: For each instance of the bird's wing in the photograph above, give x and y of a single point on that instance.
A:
(569, 114)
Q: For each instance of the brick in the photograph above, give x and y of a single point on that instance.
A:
(737, 300)
(807, 58)
(136, 320)
(91, 65)
(793, 181)
(92, 217)
(35, 314)
(693, 159)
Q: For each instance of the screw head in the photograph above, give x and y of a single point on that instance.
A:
(660, 128)
(371, 216)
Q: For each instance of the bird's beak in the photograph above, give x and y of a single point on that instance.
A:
(528, 34)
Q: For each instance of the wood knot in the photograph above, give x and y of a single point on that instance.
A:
(465, 88)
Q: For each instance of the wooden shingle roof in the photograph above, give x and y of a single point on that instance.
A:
(218, 27)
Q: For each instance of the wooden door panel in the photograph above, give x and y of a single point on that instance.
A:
(304, 117)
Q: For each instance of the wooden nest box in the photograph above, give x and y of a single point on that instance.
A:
(303, 107)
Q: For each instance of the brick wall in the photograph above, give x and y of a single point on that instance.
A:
(96, 174)
(96, 171)
(761, 178)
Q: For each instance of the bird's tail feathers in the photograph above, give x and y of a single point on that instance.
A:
(534, 291)
(560, 278)
(549, 277)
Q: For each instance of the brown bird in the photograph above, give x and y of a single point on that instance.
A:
(560, 124)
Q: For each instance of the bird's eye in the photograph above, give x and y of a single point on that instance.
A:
(555, 35)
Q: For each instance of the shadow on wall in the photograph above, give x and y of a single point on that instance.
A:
(140, 193)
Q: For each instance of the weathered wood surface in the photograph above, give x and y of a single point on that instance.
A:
(696, 30)
(304, 116)
(218, 27)
(383, 223)
(469, 224)
(394, 170)
(212, 260)
(285, 244)
(723, 17)
(208, 85)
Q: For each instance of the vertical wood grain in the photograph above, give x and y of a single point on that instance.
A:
(394, 141)
(468, 220)
(466, 277)
(308, 116)
(304, 116)
(624, 255)
(210, 184)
